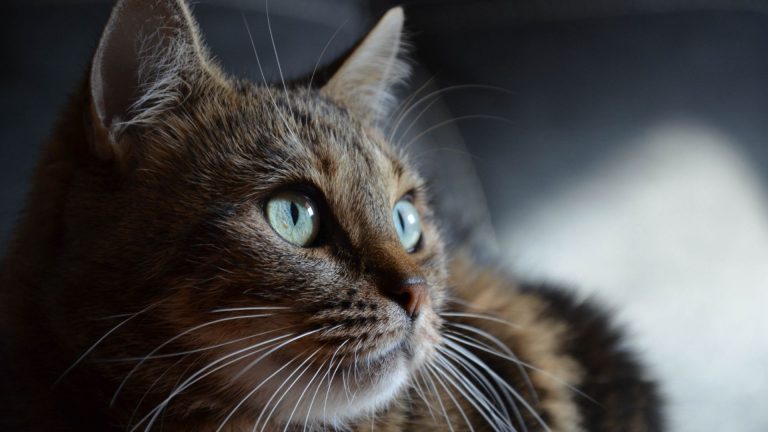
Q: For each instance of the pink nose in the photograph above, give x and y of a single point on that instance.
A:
(412, 295)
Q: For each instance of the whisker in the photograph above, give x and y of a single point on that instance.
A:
(285, 393)
(418, 116)
(274, 47)
(458, 151)
(248, 396)
(330, 384)
(420, 391)
(436, 393)
(205, 371)
(255, 53)
(521, 363)
(454, 120)
(146, 393)
(472, 394)
(493, 410)
(474, 359)
(483, 317)
(501, 345)
(294, 339)
(100, 340)
(327, 373)
(442, 91)
(490, 388)
(264, 78)
(322, 53)
(163, 345)
(194, 351)
(253, 308)
(404, 105)
(434, 368)
(303, 392)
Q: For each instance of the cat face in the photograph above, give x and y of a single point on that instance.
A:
(276, 255)
(340, 295)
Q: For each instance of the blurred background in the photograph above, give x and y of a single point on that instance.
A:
(617, 148)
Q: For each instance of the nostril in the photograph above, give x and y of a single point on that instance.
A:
(412, 295)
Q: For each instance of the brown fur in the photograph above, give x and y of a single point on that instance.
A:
(140, 227)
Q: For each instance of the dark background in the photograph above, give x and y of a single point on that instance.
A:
(575, 84)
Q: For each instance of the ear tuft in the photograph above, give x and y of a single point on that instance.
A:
(148, 53)
(364, 82)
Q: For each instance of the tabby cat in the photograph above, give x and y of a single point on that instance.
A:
(200, 253)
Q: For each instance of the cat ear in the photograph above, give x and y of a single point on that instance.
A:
(149, 51)
(365, 79)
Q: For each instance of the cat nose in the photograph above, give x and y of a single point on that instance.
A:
(412, 294)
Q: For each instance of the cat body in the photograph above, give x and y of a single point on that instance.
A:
(201, 253)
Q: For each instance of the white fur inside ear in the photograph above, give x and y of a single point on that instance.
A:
(147, 51)
(364, 82)
(160, 78)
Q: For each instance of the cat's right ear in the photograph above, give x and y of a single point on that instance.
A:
(364, 81)
(149, 52)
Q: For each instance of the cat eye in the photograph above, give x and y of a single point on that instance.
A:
(407, 224)
(293, 216)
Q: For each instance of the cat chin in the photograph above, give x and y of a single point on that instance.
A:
(349, 397)
(352, 398)
(358, 388)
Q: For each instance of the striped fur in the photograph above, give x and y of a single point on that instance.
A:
(145, 290)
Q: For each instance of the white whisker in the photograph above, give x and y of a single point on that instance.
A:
(420, 391)
(248, 396)
(488, 386)
(146, 393)
(166, 343)
(481, 316)
(439, 92)
(473, 395)
(436, 393)
(264, 78)
(285, 393)
(322, 53)
(501, 345)
(404, 105)
(100, 340)
(327, 374)
(254, 308)
(456, 119)
(204, 372)
(274, 47)
(521, 363)
(434, 368)
(499, 380)
(301, 396)
(330, 384)
(194, 351)
(418, 116)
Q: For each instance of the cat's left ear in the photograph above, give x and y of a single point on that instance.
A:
(147, 59)
(363, 84)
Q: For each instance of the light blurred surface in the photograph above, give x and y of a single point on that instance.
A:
(672, 234)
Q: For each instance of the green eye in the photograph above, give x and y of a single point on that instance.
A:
(293, 217)
(407, 224)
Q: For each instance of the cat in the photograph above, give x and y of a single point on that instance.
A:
(200, 253)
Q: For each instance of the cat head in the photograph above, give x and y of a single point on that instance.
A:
(266, 252)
